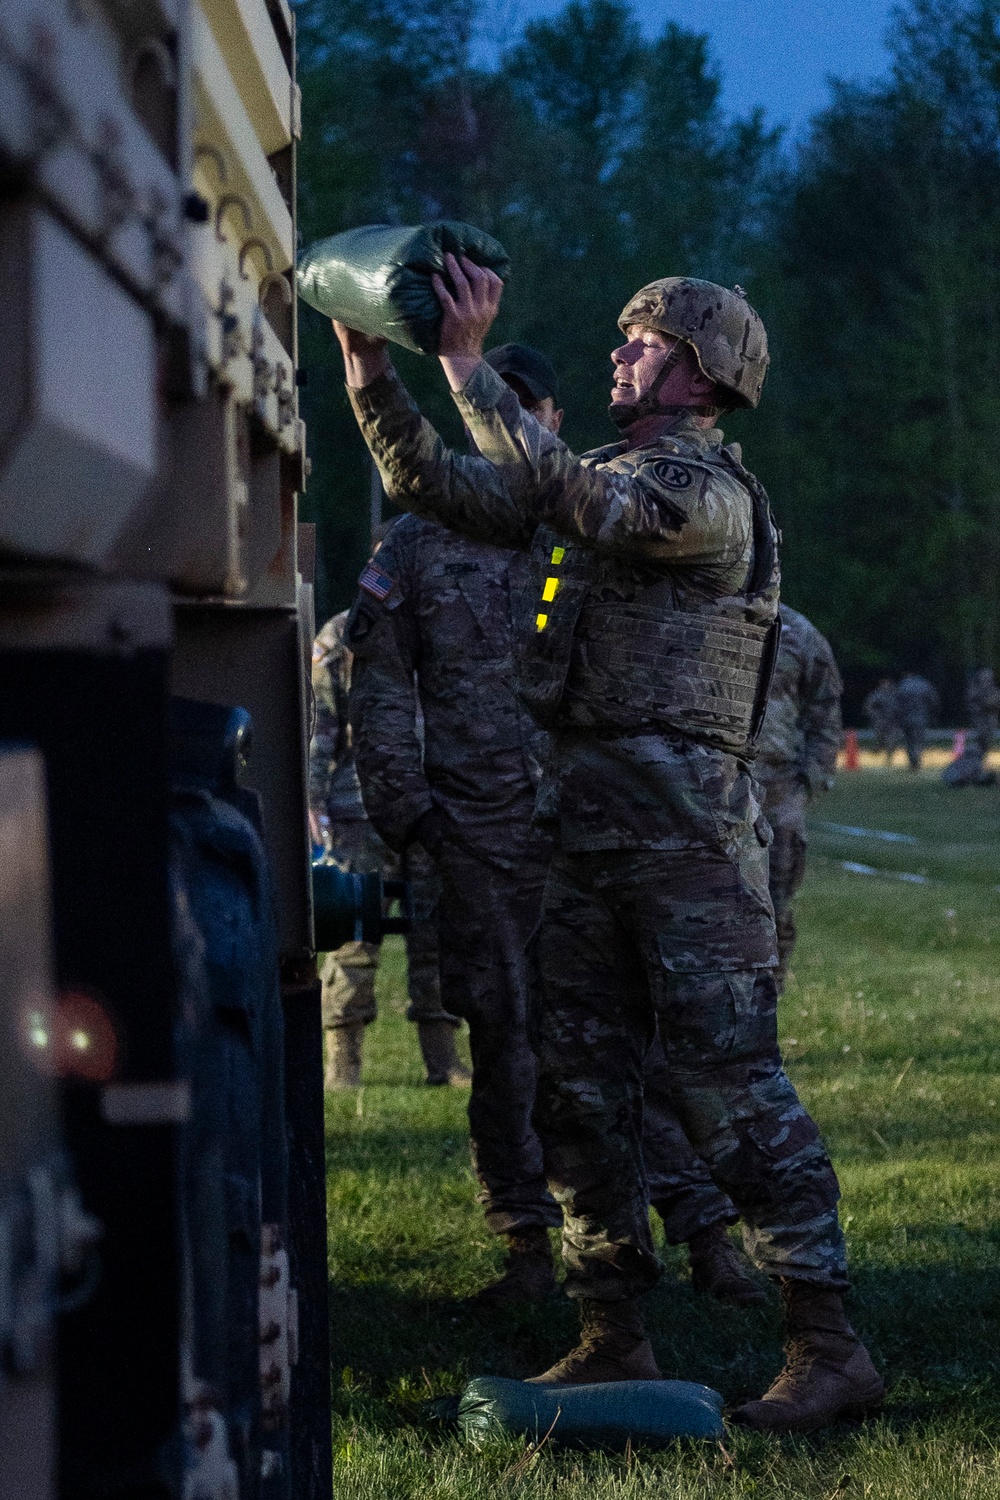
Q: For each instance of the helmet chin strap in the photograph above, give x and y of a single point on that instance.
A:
(623, 414)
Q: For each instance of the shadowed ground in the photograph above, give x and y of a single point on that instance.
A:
(890, 1029)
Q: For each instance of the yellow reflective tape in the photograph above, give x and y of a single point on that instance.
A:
(541, 621)
(549, 591)
(558, 553)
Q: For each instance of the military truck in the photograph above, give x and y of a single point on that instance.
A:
(163, 1309)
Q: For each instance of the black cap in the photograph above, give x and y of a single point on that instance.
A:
(527, 365)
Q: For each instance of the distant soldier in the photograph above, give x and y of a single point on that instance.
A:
(917, 703)
(339, 822)
(881, 709)
(796, 758)
(982, 701)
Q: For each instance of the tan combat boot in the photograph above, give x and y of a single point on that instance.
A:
(828, 1373)
(343, 1056)
(529, 1273)
(718, 1270)
(437, 1046)
(613, 1346)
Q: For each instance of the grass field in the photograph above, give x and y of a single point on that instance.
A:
(890, 1028)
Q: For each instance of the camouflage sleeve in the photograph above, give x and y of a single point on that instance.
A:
(420, 474)
(664, 510)
(822, 724)
(327, 743)
(388, 753)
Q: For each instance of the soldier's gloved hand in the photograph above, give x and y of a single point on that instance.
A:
(428, 831)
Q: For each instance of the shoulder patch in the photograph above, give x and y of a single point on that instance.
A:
(673, 474)
(375, 582)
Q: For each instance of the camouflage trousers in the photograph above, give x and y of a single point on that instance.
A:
(785, 804)
(632, 939)
(348, 975)
(914, 736)
(486, 917)
(982, 734)
(679, 1183)
(887, 737)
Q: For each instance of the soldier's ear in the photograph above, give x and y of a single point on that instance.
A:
(557, 419)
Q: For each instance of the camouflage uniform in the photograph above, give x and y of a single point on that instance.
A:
(656, 904)
(982, 699)
(431, 631)
(881, 709)
(348, 975)
(446, 623)
(796, 758)
(916, 704)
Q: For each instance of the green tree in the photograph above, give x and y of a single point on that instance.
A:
(598, 158)
(879, 433)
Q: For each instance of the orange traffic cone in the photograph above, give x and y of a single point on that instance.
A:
(852, 759)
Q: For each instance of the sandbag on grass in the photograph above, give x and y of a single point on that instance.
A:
(378, 278)
(645, 1412)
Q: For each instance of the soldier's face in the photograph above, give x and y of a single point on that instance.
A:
(638, 363)
(544, 411)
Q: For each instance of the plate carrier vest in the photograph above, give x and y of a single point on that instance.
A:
(655, 662)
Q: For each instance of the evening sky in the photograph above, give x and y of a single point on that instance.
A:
(774, 53)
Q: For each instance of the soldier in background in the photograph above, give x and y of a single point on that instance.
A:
(432, 634)
(796, 759)
(982, 703)
(917, 703)
(339, 823)
(881, 709)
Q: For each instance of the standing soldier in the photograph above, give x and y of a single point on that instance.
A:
(339, 822)
(881, 709)
(440, 642)
(432, 635)
(646, 649)
(917, 703)
(982, 700)
(796, 759)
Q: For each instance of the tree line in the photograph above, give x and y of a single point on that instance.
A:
(602, 159)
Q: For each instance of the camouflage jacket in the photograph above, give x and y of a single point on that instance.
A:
(881, 707)
(803, 728)
(667, 514)
(333, 778)
(432, 637)
(916, 701)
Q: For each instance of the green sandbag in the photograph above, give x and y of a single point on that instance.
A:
(646, 1412)
(378, 278)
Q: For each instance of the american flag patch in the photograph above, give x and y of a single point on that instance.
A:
(375, 582)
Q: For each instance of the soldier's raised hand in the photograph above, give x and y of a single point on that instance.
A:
(365, 356)
(469, 309)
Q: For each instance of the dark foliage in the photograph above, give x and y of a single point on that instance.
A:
(601, 159)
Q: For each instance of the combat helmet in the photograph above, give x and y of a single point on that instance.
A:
(720, 325)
